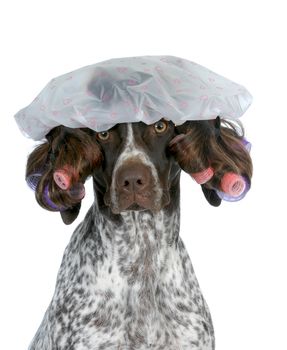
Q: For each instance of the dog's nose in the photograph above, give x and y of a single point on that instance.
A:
(133, 177)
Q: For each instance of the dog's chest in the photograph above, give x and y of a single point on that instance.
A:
(140, 292)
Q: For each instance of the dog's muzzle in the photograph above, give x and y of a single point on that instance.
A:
(134, 188)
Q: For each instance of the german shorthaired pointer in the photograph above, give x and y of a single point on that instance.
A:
(126, 281)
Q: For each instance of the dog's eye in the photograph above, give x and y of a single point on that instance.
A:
(160, 126)
(104, 135)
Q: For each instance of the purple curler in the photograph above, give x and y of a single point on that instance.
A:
(77, 191)
(227, 197)
(246, 144)
(33, 180)
(50, 203)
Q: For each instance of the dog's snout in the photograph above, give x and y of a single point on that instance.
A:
(133, 178)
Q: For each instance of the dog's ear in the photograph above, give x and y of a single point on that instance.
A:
(69, 215)
(58, 168)
(213, 152)
(211, 196)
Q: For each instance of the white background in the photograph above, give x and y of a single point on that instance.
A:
(239, 249)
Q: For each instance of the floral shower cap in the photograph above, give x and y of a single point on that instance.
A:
(132, 89)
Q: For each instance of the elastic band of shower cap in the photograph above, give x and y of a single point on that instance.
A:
(133, 89)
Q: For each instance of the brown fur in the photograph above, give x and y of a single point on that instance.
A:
(202, 147)
(64, 146)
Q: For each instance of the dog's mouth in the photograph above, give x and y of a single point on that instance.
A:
(137, 201)
(136, 207)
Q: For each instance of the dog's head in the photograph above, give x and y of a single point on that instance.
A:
(134, 166)
(137, 169)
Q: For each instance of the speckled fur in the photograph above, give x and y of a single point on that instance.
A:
(126, 284)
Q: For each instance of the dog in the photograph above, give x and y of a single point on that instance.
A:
(126, 281)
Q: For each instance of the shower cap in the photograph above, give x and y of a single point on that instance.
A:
(132, 89)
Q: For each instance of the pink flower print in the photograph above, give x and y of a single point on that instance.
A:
(67, 101)
(127, 103)
(122, 69)
(158, 68)
(55, 113)
(113, 114)
(106, 97)
(146, 70)
(176, 81)
(93, 122)
(103, 74)
(86, 110)
(143, 88)
(89, 93)
(204, 97)
(132, 82)
(183, 104)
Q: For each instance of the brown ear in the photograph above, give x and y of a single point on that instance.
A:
(70, 215)
(211, 196)
(77, 154)
(211, 148)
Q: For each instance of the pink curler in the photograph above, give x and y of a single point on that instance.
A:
(233, 184)
(78, 191)
(63, 177)
(203, 176)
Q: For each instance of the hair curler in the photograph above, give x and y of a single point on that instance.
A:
(77, 191)
(63, 177)
(203, 176)
(33, 180)
(50, 203)
(246, 144)
(234, 187)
